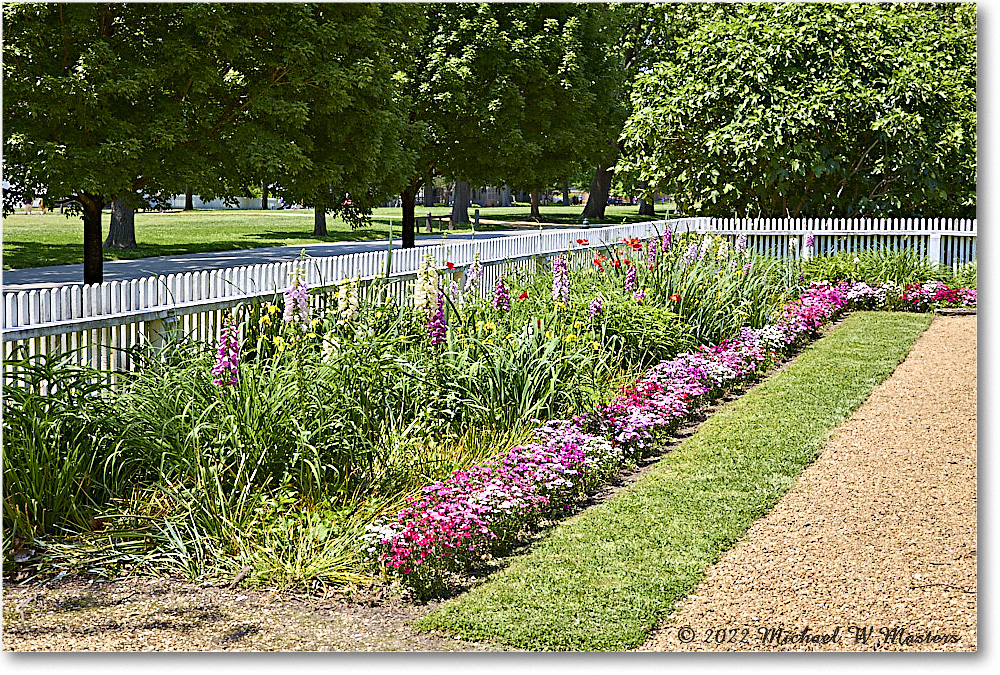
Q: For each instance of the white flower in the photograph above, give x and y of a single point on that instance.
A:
(347, 299)
(723, 250)
(425, 290)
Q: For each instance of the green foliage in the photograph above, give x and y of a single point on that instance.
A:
(212, 96)
(644, 334)
(812, 110)
(56, 458)
(508, 92)
(873, 267)
(603, 580)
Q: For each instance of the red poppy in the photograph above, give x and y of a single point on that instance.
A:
(583, 242)
(627, 262)
(523, 296)
(450, 265)
(615, 263)
(675, 297)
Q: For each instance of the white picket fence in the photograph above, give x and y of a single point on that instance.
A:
(99, 324)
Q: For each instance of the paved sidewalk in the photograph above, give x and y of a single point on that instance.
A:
(44, 277)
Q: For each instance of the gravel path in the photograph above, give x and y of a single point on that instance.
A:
(875, 545)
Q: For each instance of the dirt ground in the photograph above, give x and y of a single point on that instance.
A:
(874, 548)
(878, 533)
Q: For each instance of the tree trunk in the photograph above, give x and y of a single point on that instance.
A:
(409, 220)
(121, 233)
(429, 189)
(460, 210)
(188, 199)
(646, 208)
(536, 214)
(565, 190)
(93, 254)
(319, 222)
(599, 189)
(263, 199)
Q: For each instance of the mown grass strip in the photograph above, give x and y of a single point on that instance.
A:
(602, 580)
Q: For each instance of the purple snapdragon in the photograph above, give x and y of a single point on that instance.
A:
(560, 279)
(596, 306)
(631, 278)
(501, 296)
(227, 361)
(436, 327)
(297, 302)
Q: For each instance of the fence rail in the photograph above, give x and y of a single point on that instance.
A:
(100, 322)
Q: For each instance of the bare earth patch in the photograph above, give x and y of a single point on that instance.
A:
(876, 539)
(169, 615)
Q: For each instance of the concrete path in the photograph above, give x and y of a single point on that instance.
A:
(58, 275)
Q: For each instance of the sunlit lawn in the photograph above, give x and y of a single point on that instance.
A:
(53, 239)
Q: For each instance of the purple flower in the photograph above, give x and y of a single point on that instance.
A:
(741, 243)
(297, 302)
(631, 278)
(809, 240)
(639, 296)
(228, 355)
(560, 279)
(668, 238)
(690, 255)
(651, 254)
(436, 327)
(501, 297)
(595, 307)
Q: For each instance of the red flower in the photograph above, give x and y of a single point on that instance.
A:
(523, 296)
(615, 263)
(627, 262)
(583, 242)
(450, 265)
(675, 297)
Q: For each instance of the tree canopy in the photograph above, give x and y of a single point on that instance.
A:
(812, 110)
(506, 93)
(104, 100)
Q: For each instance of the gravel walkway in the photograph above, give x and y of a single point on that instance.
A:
(874, 548)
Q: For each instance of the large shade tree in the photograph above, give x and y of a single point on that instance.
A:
(503, 93)
(107, 100)
(813, 110)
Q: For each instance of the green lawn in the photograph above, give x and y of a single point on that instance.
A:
(605, 578)
(53, 239)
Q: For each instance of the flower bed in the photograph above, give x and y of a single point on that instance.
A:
(458, 523)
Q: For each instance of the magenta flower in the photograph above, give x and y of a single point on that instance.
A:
(501, 296)
(631, 278)
(436, 327)
(560, 279)
(297, 302)
(595, 306)
(227, 361)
